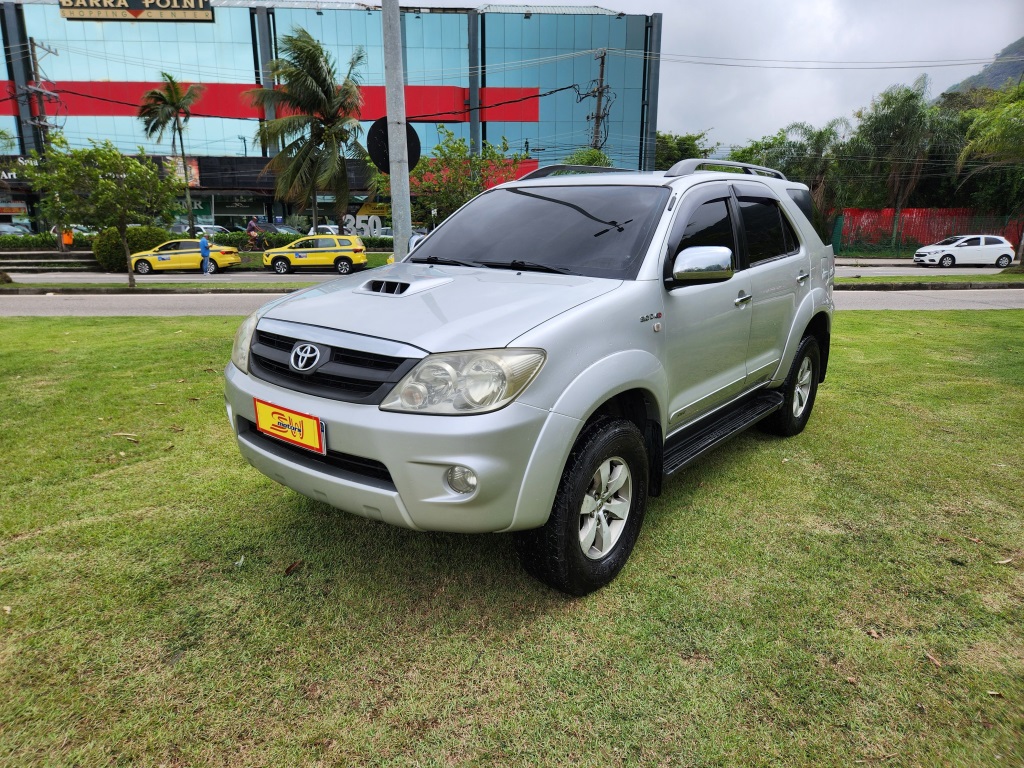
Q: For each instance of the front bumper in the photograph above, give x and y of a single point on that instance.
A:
(926, 258)
(517, 454)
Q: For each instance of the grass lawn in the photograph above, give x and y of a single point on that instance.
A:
(854, 595)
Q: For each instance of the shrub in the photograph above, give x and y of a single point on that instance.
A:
(4, 277)
(109, 252)
(238, 239)
(43, 242)
(378, 243)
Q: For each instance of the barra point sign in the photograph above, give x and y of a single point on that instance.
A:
(137, 10)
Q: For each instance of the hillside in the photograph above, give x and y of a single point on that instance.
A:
(1009, 65)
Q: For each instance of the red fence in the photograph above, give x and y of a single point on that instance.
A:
(866, 229)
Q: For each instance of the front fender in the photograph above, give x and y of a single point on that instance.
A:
(593, 387)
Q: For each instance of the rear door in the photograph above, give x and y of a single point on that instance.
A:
(706, 326)
(304, 252)
(779, 271)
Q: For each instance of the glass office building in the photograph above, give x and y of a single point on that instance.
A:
(526, 74)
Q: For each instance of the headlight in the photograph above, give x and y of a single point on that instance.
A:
(462, 383)
(243, 340)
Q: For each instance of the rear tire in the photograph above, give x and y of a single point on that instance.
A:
(799, 392)
(947, 261)
(281, 265)
(597, 514)
(344, 266)
(143, 267)
(1004, 261)
(212, 268)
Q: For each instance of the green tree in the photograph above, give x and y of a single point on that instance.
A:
(452, 175)
(995, 144)
(100, 187)
(899, 132)
(169, 108)
(671, 148)
(316, 123)
(589, 156)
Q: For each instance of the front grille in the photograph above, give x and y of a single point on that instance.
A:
(349, 375)
(334, 460)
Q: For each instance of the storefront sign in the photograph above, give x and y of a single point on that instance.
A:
(13, 209)
(137, 10)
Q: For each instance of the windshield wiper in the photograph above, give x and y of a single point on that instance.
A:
(440, 260)
(529, 266)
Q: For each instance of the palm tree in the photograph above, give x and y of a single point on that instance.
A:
(316, 123)
(900, 130)
(819, 150)
(170, 107)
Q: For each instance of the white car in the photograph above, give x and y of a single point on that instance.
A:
(200, 229)
(984, 250)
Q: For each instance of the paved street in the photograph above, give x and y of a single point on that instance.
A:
(243, 303)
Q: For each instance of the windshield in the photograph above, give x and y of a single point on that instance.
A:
(598, 231)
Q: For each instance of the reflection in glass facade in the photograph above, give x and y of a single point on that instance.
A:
(100, 69)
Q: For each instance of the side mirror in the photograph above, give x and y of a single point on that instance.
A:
(703, 264)
(415, 240)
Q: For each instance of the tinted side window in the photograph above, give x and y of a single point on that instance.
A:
(993, 241)
(803, 201)
(970, 241)
(768, 233)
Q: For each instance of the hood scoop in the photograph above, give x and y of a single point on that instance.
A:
(401, 287)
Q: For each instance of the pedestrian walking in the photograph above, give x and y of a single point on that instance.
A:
(204, 251)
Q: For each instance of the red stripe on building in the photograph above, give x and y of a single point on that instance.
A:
(423, 103)
(9, 106)
(523, 105)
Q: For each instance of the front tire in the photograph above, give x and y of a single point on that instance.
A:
(281, 265)
(143, 267)
(799, 392)
(598, 511)
(1004, 261)
(947, 261)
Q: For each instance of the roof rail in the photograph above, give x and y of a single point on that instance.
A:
(548, 170)
(694, 164)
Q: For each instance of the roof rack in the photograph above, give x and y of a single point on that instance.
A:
(694, 164)
(548, 170)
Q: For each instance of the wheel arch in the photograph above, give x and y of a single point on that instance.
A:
(820, 327)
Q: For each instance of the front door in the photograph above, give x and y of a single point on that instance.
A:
(706, 326)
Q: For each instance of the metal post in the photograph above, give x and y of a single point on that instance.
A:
(398, 154)
(475, 136)
(649, 123)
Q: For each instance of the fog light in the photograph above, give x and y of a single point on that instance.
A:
(461, 479)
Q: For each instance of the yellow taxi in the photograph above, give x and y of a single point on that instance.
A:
(343, 253)
(184, 254)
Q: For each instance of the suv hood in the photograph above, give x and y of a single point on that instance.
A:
(440, 308)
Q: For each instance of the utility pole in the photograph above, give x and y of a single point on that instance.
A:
(398, 152)
(42, 95)
(596, 142)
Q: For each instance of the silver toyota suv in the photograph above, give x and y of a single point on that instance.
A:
(543, 359)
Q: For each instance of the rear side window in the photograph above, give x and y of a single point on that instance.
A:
(993, 241)
(768, 233)
(326, 242)
(803, 201)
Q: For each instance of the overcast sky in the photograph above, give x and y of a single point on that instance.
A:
(742, 103)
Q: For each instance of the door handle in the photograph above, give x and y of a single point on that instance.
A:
(743, 299)
(802, 277)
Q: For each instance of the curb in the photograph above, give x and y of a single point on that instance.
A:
(926, 286)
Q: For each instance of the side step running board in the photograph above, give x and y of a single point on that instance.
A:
(688, 447)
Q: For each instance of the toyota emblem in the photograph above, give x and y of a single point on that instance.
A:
(305, 357)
